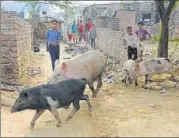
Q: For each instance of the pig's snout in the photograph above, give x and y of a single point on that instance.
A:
(12, 110)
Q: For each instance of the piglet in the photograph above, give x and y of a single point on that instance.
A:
(149, 67)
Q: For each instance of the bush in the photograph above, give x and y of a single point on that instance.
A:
(157, 38)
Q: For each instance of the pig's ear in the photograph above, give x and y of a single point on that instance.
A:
(64, 66)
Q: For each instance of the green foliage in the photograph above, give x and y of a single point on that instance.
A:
(156, 38)
(176, 43)
(66, 5)
(34, 8)
(176, 4)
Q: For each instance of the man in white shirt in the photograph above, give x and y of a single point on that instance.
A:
(132, 42)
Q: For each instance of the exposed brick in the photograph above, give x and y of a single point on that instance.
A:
(8, 32)
(16, 48)
(9, 21)
(3, 26)
(5, 37)
(108, 42)
(13, 37)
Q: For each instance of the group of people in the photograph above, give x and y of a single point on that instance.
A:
(77, 33)
(134, 41)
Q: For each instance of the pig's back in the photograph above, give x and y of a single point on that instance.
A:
(87, 65)
(64, 90)
(155, 65)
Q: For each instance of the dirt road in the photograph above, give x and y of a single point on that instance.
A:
(117, 111)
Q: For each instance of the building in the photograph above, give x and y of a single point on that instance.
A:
(45, 10)
(145, 11)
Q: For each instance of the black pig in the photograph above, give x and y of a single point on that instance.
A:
(52, 97)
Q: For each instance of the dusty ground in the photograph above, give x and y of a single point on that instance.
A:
(117, 111)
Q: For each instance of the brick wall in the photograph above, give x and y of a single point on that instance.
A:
(102, 22)
(110, 42)
(16, 43)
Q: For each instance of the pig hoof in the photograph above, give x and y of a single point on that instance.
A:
(32, 125)
(94, 95)
(90, 109)
(58, 124)
(68, 118)
(90, 114)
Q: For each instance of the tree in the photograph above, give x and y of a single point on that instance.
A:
(164, 16)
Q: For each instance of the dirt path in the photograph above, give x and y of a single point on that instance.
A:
(117, 111)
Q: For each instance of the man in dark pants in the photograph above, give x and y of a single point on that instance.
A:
(53, 38)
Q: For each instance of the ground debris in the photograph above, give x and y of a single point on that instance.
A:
(33, 72)
(76, 50)
(152, 105)
(12, 88)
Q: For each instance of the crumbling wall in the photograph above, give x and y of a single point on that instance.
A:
(16, 40)
(110, 42)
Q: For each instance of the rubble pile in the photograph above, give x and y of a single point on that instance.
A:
(76, 50)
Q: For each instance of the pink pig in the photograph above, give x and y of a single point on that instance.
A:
(89, 65)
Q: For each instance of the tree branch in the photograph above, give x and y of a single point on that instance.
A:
(170, 7)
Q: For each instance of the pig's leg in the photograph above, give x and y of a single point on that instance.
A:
(136, 83)
(146, 79)
(123, 80)
(100, 83)
(149, 78)
(86, 98)
(36, 116)
(76, 107)
(91, 86)
(55, 114)
(172, 78)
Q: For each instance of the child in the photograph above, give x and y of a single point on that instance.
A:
(53, 39)
(80, 30)
(69, 32)
(132, 43)
(74, 32)
(142, 35)
(92, 36)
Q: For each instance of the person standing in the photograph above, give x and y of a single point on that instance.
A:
(142, 35)
(92, 36)
(74, 32)
(53, 39)
(132, 42)
(70, 32)
(81, 32)
(89, 25)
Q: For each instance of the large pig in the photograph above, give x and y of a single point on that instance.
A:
(150, 67)
(51, 97)
(89, 65)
